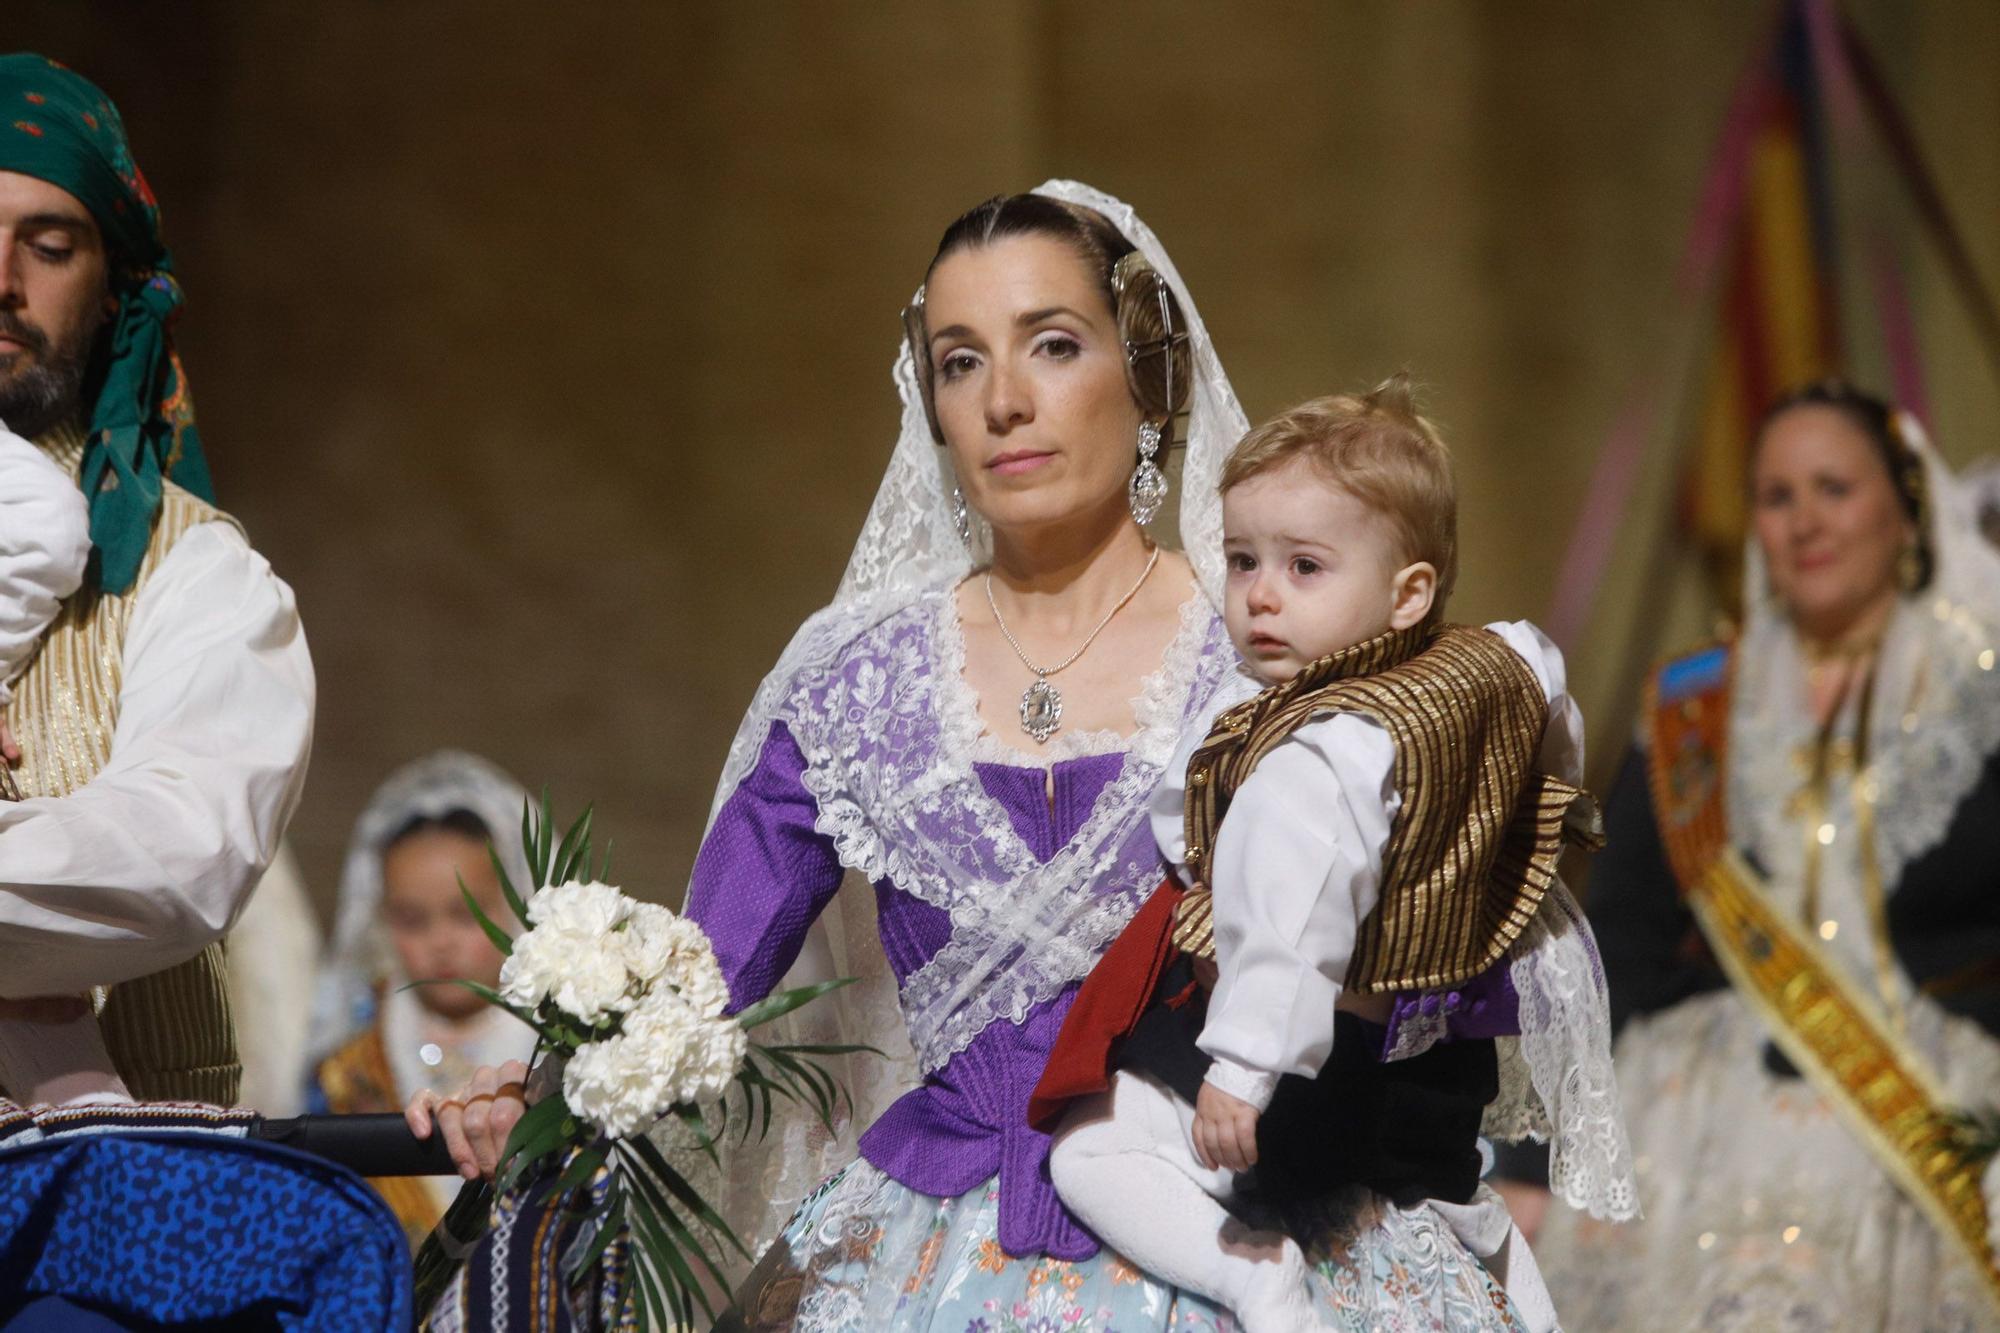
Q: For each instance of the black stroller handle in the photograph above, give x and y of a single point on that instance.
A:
(370, 1145)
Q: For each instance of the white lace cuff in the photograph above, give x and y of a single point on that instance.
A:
(1254, 1086)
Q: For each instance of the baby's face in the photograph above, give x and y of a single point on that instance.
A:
(1312, 570)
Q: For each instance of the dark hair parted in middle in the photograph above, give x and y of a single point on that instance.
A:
(1149, 316)
(458, 820)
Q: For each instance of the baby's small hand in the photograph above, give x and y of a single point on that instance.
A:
(10, 753)
(1225, 1130)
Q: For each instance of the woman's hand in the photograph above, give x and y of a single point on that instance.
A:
(1225, 1130)
(475, 1120)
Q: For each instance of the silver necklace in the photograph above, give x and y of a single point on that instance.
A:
(1041, 702)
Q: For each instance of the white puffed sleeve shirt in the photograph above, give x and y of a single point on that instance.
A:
(44, 544)
(1297, 868)
(153, 859)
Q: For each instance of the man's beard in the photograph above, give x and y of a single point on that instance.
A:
(43, 388)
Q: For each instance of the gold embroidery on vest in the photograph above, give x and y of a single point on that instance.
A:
(170, 1034)
(1476, 842)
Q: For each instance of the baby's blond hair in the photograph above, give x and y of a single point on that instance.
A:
(1377, 448)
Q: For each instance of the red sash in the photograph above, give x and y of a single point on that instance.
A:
(1112, 997)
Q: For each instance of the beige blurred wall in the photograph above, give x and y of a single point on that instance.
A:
(547, 355)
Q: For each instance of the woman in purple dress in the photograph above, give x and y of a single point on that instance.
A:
(974, 727)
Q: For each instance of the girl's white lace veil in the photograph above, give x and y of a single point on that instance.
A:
(909, 546)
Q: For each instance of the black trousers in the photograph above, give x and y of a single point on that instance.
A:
(1408, 1129)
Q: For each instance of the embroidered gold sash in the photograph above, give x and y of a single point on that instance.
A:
(170, 1034)
(1475, 845)
(1881, 1089)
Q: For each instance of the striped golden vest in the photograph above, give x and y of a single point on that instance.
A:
(1476, 842)
(170, 1034)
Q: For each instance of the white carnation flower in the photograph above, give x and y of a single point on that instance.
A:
(534, 967)
(662, 946)
(588, 908)
(521, 983)
(666, 1054)
(699, 1055)
(573, 953)
(609, 1084)
(653, 937)
(593, 983)
(714, 1056)
(699, 978)
(583, 975)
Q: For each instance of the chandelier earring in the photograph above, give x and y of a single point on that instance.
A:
(961, 515)
(1148, 488)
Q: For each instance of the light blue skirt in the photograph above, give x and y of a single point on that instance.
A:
(868, 1254)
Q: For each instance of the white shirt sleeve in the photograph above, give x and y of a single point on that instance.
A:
(1562, 742)
(1168, 810)
(152, 860)
(44, 542)
(1297, 867)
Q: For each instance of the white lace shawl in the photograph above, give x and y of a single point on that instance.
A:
(909, 547)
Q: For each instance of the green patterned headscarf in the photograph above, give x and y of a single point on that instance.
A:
(55, 125)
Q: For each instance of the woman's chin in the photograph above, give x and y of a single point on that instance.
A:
(1028, 510)
(1828, 614)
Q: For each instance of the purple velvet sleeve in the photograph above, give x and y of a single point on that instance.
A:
(764, 873)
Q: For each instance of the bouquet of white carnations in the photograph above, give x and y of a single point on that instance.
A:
(629, 998)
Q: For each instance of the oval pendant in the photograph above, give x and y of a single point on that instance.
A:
(1041, 710)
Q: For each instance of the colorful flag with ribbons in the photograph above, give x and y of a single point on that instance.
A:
(1781, 295)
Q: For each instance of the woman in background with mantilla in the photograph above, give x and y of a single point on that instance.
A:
(1799, 915)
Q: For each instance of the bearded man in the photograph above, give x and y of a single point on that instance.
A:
(164, 721)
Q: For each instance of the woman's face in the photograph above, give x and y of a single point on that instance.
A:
(1828, 519)
(434, 933)
(1029, 380)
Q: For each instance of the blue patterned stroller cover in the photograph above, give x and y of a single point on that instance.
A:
(166, 1216)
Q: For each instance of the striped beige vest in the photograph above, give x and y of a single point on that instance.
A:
(1475, 845)
(170, 1034)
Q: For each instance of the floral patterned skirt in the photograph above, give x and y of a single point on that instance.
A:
(865, 1254)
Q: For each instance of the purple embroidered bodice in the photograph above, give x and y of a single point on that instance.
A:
(969, 1120)
(875, 758)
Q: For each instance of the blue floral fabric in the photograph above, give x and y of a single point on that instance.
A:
(172, 1229)
(868, 1255)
